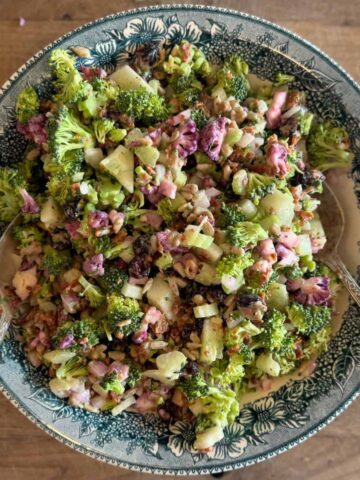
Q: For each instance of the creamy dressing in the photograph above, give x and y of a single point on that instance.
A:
(307, 367)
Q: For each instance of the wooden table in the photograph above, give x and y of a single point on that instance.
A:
(26, 453)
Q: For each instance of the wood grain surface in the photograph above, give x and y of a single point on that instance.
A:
(26, 453)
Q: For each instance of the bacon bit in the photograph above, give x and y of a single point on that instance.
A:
(178, 398)
(305, 216)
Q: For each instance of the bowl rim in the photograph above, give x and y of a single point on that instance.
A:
(93, 452)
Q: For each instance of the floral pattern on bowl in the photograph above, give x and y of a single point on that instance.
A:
(269, 425)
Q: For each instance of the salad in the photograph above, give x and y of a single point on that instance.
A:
(167, 236)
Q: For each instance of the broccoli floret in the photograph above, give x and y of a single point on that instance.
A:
(186, 88)
(67, 133)
(234, 337)
(111, 383)
(110, 193)
(236, 65)
(10, 198)
(231, 78)
(256, 285)
(328, 147)
(56, 261)
(218, 408)
(304, 122)
(231, 215)
(317, 343)
(27, 105)
(193, 386)
(259, 185)
(59, 188)
(165, 208)
(199, 117)
(70, 85)
(92, 293)
(229, 371)
(123, 314)
(234, 265)
(62, 63)
(231, 270)
(24, 235)
(274, 332)
(134, 375)
(285, 356)
(283, 79)
(245, 233)
(60, 183)
(108, 88)
(102, 126)
(117, 134)
(72, 368)
(184, 59)
(308, 319)
(307, 263)
(142, 106)
(100, 244)
(104, 94)
(113, 279)
(77, 335)
(292, 272)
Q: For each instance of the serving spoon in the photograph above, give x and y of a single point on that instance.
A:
(329, 209)
(333, 220)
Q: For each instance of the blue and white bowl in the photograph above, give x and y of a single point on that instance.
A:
(270, 425)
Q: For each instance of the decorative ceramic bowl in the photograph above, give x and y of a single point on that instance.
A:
(270, 425)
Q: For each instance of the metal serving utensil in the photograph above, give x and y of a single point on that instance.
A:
(331, 214)
(7, 271)
(333, 220)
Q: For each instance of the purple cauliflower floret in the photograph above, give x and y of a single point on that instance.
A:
(285, 256)
(34, 129)
(187, 141)
(212, 137)
(276, 160)
(67, 341)
(94, 266)
(98, 219)
(30, 205)
(310, 291)
(152, 193)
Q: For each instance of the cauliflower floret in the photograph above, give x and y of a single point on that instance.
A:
(24, 282)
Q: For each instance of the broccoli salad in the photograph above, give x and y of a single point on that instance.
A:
(167, 234)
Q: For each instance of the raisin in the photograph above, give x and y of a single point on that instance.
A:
(192, 368)
(307, 178)
(72, 210)
(139, 268)
(215, 294)
(246, 299)
(199, 323)
(186, 332)
(142, 245)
